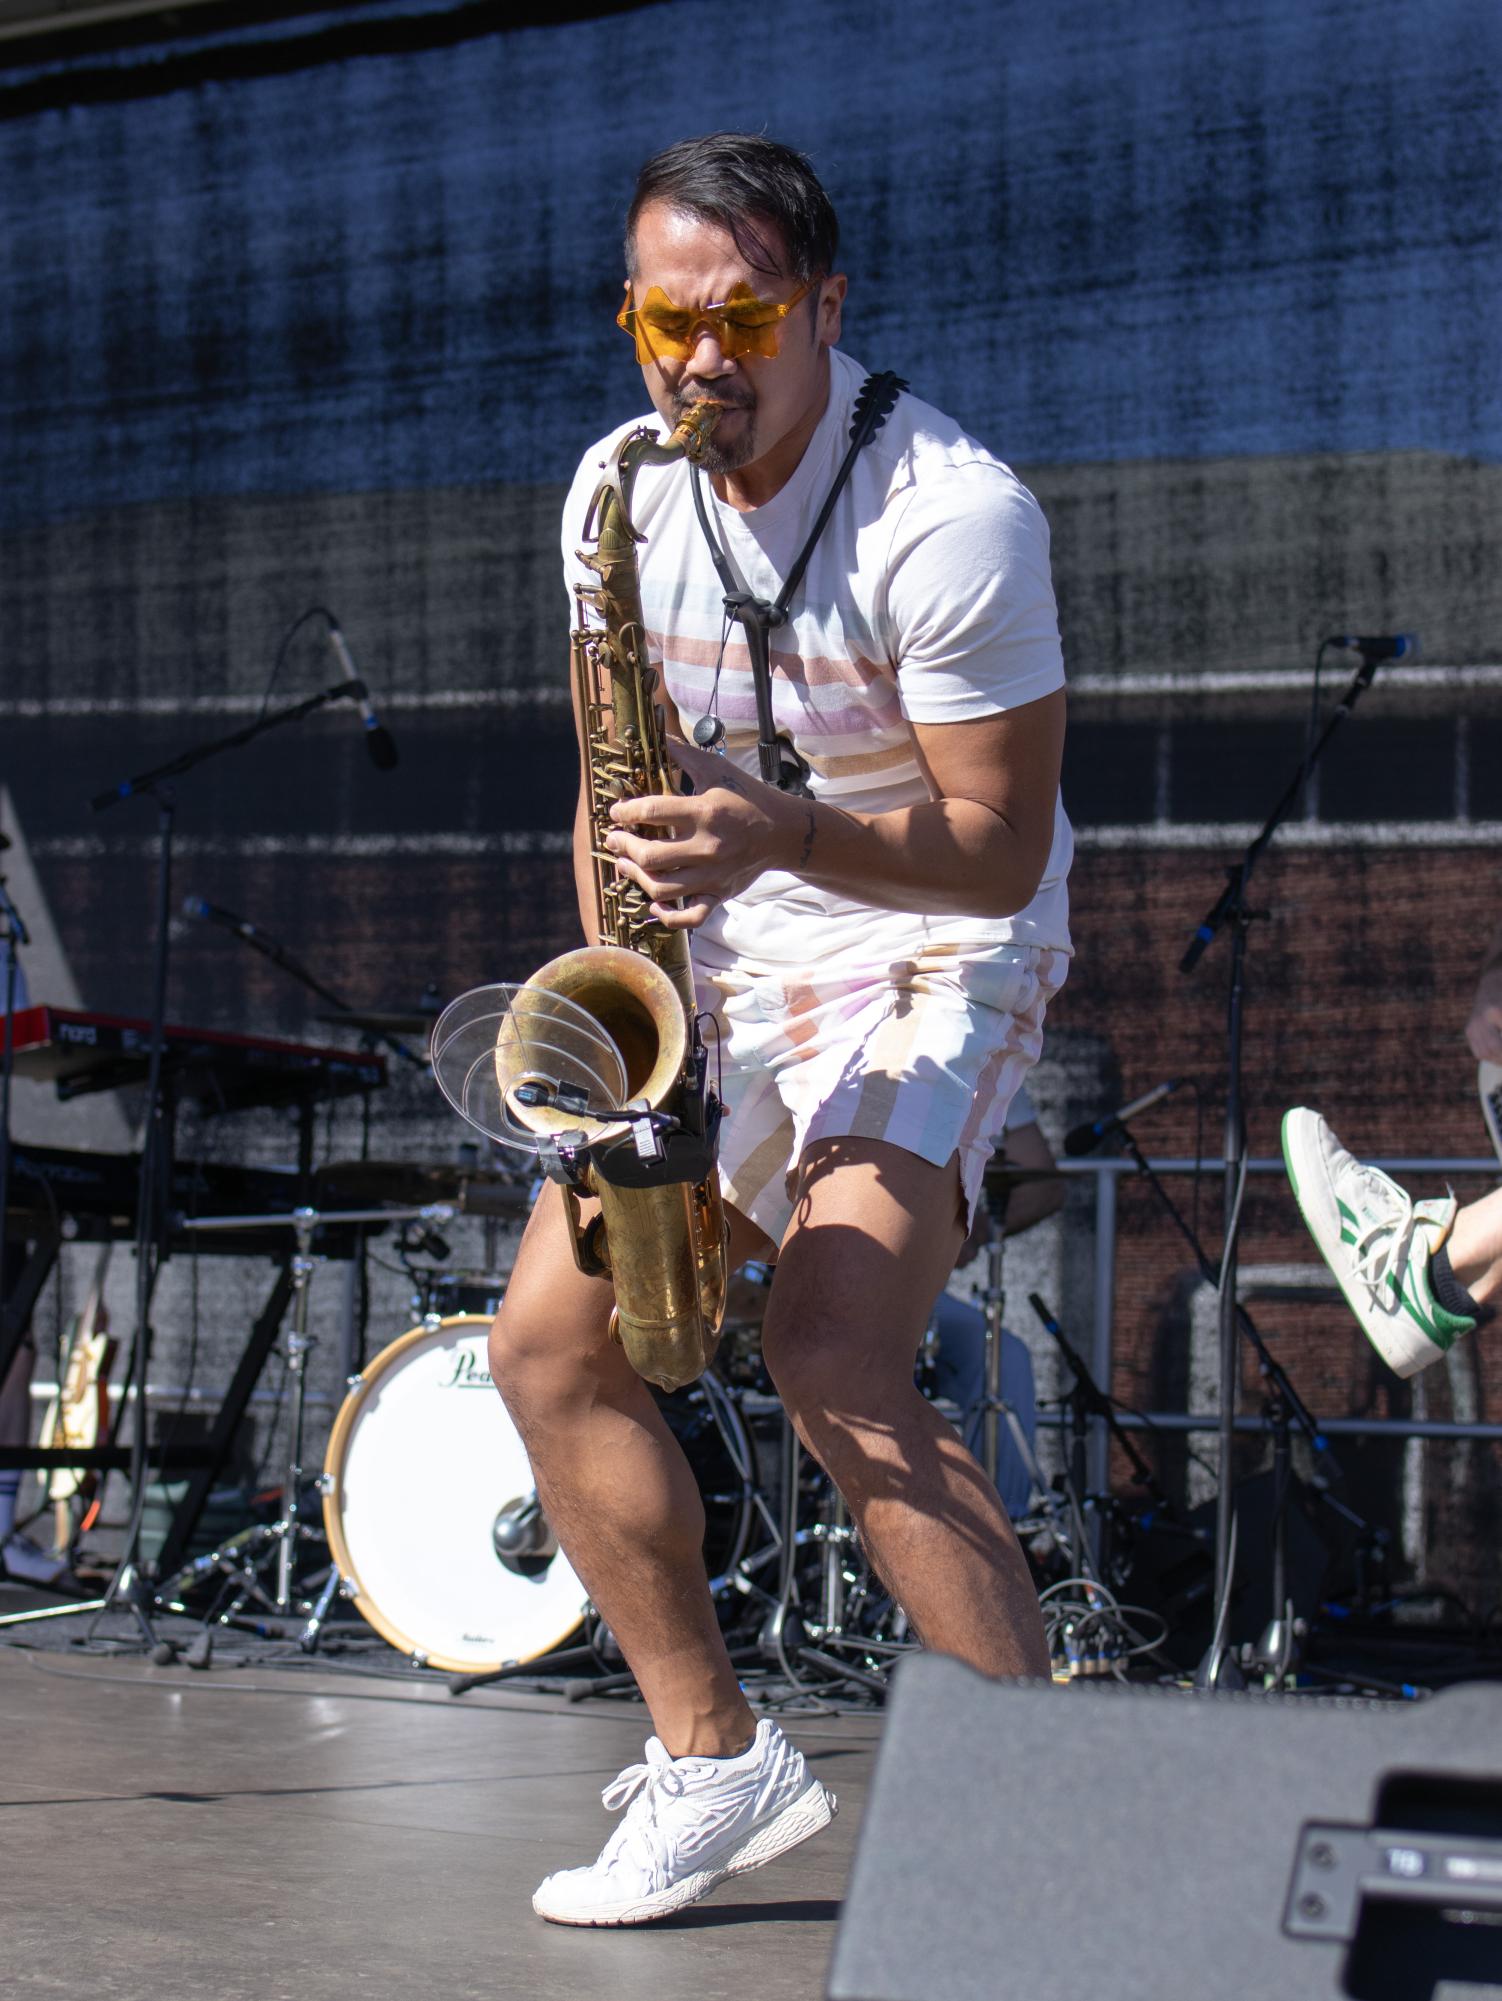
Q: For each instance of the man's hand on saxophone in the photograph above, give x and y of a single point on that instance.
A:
(690, 853)
(979, 844)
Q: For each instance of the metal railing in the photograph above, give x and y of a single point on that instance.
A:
(1107, 1174)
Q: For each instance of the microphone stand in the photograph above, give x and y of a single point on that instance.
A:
(150, 781)
(1087, 1399)
(273, 949)
(1231, 908)
(1283, 1409)
(155, 1177)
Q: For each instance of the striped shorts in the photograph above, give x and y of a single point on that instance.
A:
(924, 1053)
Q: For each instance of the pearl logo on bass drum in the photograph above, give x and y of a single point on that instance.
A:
(467, 1372)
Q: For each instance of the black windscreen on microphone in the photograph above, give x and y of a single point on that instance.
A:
(382, 747)
(1085, 1138)
(1393, 646)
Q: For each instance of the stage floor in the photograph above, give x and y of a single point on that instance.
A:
(300, 1834)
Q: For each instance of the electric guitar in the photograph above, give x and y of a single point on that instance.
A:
(79, 1415)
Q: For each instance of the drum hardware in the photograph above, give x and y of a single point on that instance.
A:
(423, 1458)
(829, 1623)
(1000, 1179)
(523, 1538)
(243, 1559)
(446, 1295)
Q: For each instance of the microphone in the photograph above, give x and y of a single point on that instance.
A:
(213, 913)
(1396, 647)
(378, 739)
(1086, 1138)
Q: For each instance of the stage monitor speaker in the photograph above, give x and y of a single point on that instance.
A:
(1024, 1841)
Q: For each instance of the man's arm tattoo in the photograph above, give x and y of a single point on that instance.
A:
(808, 839)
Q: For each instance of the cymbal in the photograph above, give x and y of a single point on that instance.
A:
(376, 1022)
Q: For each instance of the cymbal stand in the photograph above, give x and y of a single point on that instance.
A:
(993, 1305)
(243, 1557)
(783, 1638)
(992, 1406)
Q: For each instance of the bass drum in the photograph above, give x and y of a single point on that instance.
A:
(428, 1492)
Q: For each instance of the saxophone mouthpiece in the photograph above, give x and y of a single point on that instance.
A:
(695, 425)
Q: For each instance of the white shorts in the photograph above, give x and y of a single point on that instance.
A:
(924, 1053)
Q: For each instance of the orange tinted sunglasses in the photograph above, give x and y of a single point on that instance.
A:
(741, 324)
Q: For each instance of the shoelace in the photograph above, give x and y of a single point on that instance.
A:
(638, 1838)
(658, 1771)
(1383, 1244)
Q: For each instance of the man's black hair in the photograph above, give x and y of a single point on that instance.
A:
(750, 186)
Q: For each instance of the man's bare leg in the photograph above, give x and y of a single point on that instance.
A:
(874, 1235)
(615, 1486)
(1475, 1248)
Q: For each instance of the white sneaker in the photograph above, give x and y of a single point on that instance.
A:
(23, 1563)
(690, 1823)
(1378, 1242)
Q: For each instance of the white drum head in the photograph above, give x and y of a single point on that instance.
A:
(421, 1461)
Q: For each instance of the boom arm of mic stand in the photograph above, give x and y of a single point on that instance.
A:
(278, 954)
(1097, 1403)
(147, 781)
(1271, 1367)
(1230, 897)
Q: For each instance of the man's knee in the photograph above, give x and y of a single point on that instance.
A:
(552, 1320)
(536, 1349)
(831, 1388)
(799, 1368)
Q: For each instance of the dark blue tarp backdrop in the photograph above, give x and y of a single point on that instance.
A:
(1095, 232)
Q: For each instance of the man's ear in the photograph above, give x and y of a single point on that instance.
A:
(830, 309)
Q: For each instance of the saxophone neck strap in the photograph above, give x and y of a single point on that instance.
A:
(759, 617)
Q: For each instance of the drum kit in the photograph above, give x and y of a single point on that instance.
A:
(433, 1530)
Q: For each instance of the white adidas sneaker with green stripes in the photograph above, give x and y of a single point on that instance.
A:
(1378, 1242)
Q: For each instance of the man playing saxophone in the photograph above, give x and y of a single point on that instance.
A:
(873, 952)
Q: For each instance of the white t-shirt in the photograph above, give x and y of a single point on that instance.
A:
(927, 600)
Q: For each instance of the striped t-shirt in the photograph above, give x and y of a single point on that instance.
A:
(926, 600)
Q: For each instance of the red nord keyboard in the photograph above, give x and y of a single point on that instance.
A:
(81, 1051)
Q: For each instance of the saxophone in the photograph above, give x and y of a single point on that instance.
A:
(660, 1236)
